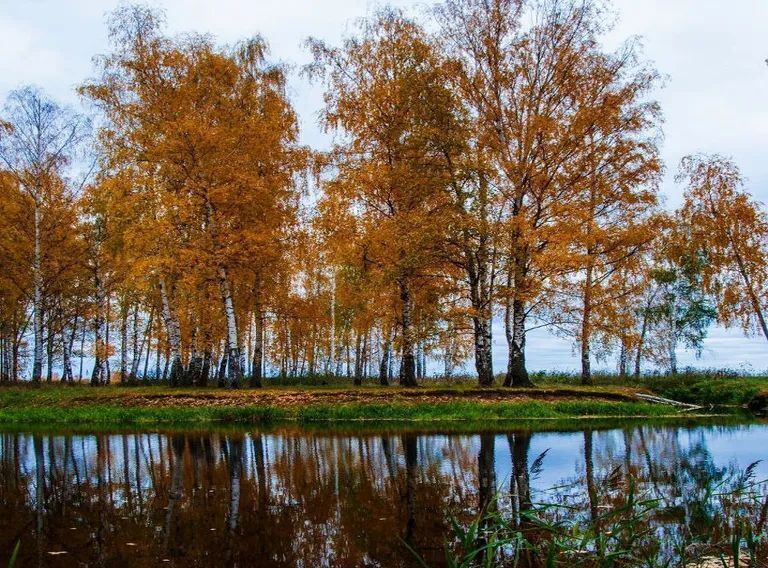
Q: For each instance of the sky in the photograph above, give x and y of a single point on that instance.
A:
(712, 54)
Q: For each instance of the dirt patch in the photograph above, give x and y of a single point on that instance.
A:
(292, 398)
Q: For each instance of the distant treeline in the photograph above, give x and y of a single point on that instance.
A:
(491, 159)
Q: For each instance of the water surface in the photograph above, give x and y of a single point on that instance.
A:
(294, 497)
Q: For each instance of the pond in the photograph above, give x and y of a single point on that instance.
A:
(287, 496)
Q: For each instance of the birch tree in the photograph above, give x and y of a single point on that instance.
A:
(730, 228)
(530, 71)
(387, 96)
(38, 139)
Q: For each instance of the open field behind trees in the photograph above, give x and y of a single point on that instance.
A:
(202, 244)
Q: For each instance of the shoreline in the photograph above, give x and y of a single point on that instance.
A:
(163, 406)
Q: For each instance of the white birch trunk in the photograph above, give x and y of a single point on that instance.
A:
(235, 362)
(98, 376)
(174, 334)
(140, 350)
(332, 358)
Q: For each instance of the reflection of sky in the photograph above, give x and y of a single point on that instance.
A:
(737, 446)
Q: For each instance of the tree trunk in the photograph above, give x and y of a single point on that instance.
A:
(673, 353)
(235, 363)
(623, 356)
(641, 342)
(107, 316)
(192, 375)
(448, 358)
(148, 342)
(49, 356)
(358, 359)
(385, 355)
(137, 347)
(82, 352)
(407, 363)
(157, 360)
(221, 373)
(37, 276)
(480, 298)
(206, 371)
(517, 374)
(124, 340)
(586, 329)
(166, 360)
(483, 350)
(258, 348)
(98, 376)
(69, 344)
(332, 357)
(751, 291)
(174, 336)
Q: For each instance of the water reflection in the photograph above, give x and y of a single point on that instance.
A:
(293, 498)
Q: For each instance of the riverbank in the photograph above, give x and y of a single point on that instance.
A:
(118, 405)
(705, 388)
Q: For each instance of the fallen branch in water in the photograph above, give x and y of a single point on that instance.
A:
(669, 401)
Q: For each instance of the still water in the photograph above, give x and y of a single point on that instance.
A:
(304, 497)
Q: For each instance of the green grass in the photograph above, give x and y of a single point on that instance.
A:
(467, 410)
(609, 398)
(109, 405)
(715, 391)
(718, 388)
(135, 416)
(397, 411)
(706, 387)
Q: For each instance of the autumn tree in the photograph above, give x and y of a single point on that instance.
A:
(730, 229)
(201, 140)
(38, 140)
(387, 96)
(16, 251)
(611, 221)
(545, 94)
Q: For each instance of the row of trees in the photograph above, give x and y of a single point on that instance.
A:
(506, 164)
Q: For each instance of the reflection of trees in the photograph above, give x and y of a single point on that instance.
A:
(175, 494)
(671, 465)
(411, 456)
(486, 467)
(520, 491)
(314, 499)
(520, 483)
(281, 500)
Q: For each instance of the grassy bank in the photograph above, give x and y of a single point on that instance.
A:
(718, 388)
(116, 405)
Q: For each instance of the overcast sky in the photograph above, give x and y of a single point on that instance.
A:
(712, 52)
